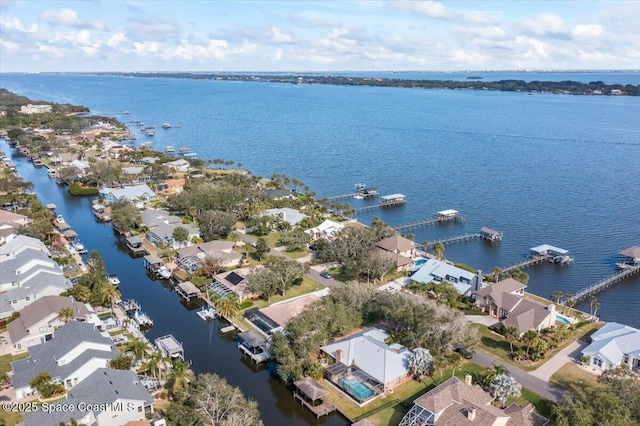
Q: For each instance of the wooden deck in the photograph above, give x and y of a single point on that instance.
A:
(319, 410)
(531, 261)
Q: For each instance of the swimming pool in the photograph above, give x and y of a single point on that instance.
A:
(419, 262)
(562, 320)
(356, 388)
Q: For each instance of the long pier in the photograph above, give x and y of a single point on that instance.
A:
(342, 197)
(438, 219)
(607, 282)
(459, 238)
(530, 261)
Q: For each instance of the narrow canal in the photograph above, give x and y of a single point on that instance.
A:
(208, 349)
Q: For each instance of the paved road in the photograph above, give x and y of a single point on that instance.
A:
(528, 381)
(313, 274)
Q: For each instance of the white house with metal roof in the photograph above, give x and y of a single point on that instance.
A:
(76, 350)
(134, 194)
(107, 397)
(365, 366)
(614, 344)
(327, 230)
(437, 271)
(286, 214)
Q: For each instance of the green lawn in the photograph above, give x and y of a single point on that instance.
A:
(308, 285)
(573, 378)
(6, 360)
(497, 346)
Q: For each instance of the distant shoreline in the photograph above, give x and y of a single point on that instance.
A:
(596, 88)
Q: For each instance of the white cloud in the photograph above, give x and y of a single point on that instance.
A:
(116, 39)
(147, 47)
(432, 9)
(381, 54)
(587, 30)
(544, 24)
(280, 37)
(12, 23)
(8, 45)
(69, 17)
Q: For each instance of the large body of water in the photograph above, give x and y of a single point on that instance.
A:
(562, 170)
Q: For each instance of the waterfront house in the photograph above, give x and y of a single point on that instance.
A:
(278, 194)
(366, 366)
(35, 109)
(170, 187)
(437, 271)
(112, 397)
(505, 301)
(399, 249)
(286, 214)
(10, 222)
(235, 281)
(613, 345)
(457, 402)
(39, 320)
(189, 258)
(152, 218)
(181, 165)
(277, 316)
(76, 350)
(162, 235)
(134, 194)
(328, 230)
(26, 273)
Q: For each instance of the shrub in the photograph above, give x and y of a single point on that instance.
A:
(79, 190)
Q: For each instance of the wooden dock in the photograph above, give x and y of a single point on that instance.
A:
(323, 409)
(392, 200)
(607, 282)
(528, 262)
(456, 217)
(459, 238)
(343, 196)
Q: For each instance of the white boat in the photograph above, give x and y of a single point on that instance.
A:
(141, 318)
(80, 248)
(60, 219)
(166, 125)
(164, 272)
(112, 279)
(207, 313)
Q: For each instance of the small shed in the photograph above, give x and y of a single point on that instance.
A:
(133, 242)
(393, 199)
(62, 226)
(152, 262)
(447, 213)
(187, 290)
(51, 207)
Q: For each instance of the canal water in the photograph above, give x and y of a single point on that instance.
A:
(205, 346)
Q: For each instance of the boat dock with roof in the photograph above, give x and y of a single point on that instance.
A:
(629, 267)
(541, 253)
(312, 395)
(170, 347)
(392, 200)
(254, 345)
(361, 191)
(441, 217)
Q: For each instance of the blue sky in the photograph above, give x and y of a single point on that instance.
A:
(318, 36)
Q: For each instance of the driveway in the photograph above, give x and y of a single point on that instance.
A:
(570, 354)
(482, 319)
(527, 380)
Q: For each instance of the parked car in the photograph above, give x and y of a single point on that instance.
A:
(325, 274)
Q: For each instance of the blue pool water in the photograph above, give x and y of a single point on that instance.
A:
(356, 387)
(562, 320)
(419, 262)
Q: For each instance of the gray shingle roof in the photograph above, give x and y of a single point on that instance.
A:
(103, 386)
(43, 357)
(9, 266)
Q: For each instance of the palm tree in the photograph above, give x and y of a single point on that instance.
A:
(138, 348)
(511, 334)
(111, 294)
(571, 302)
(455, 361)
(438, 250)
(425, 245)
(596, 306)
(529, 337)
(556, 296)
(496, 273)
(234, 236)
(181, 375)
(65, 314)
(228, 306)
(592, 299)
(154, 364)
